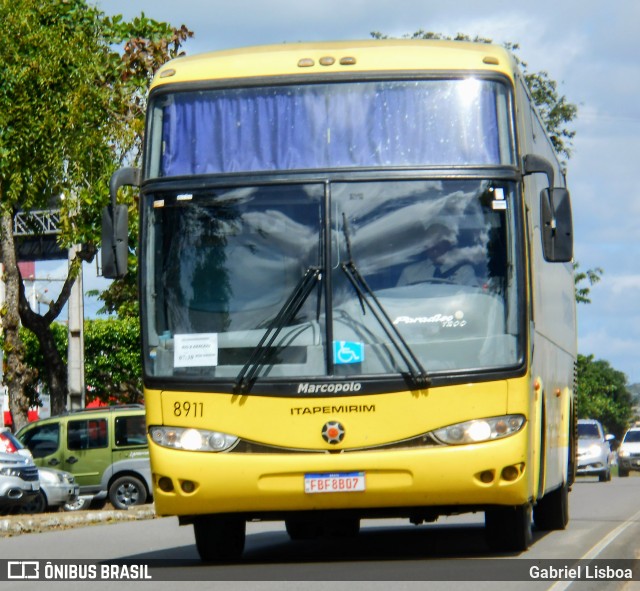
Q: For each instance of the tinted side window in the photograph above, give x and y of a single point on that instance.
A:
(43, 440)
(131, 431)
(87, 434)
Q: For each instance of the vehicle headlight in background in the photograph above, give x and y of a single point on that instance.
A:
(623, 453)
(192, 439)
(479, 430)
(594, 450)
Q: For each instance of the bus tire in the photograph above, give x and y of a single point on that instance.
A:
(219, 539)
(552, 511)
(509, 529)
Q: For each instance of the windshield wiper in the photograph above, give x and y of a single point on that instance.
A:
(299, 295)
(417, 372)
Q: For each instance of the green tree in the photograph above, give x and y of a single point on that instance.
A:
(592, 276)
(66, 105)
(113, 367)
(603, 395)
(54, 109)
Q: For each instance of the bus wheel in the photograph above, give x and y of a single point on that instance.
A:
(508, 529)
(219, 539)
(302, 529)
(552, 511)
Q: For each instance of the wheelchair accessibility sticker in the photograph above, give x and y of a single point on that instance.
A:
(347, 352)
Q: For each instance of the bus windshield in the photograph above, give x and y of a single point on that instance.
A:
(361, 124)
(437, 255)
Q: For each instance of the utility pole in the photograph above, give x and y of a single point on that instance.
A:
(75, 356)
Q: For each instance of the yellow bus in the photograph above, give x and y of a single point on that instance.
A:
(357, 295)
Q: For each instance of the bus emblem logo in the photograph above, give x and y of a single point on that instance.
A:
(333, 432)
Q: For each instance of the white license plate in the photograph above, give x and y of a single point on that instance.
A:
(334, 483)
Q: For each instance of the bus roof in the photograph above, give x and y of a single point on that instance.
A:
(388, 55)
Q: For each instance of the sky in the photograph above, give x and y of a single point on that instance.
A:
(590, 48)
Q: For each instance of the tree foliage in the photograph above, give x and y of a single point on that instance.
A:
(54, 105)
(113, 370)
(603, 395)
(68, 106)
(592, 276)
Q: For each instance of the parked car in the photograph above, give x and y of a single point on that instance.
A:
(8, 442)
(19, 483)
(594, 450)
(57, 488)
(106, 450)
(629, 452)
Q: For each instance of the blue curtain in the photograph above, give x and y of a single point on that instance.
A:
(328, 126)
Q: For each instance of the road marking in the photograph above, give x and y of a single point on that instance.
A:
(599, 547)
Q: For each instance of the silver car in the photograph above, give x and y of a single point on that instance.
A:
(57, 488)
(594, 450)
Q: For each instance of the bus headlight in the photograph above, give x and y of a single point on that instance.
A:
(480, 430)
(192, 439)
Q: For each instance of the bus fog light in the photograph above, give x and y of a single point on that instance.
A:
(480, 430)
(165, 484)
(486, 476)
(188, 486)
(510, 473)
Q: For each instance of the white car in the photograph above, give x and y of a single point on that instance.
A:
(57, 488)
(629, 452)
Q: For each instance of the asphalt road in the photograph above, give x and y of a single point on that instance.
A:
(604, 527)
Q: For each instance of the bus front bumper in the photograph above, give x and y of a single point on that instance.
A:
(480, 475)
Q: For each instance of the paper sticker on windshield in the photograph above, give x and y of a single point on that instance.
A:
(347, 352)
(195, 350)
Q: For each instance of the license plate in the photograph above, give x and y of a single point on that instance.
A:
(334, 483)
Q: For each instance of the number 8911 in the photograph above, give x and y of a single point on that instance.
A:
(188, 409)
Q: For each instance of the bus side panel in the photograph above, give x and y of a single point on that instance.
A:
(552, 293)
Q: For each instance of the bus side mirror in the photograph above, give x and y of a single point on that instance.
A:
(557, 225)
(115, 241)
(115, 226)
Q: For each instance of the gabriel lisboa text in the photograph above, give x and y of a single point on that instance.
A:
(581, 572)
(82, 570)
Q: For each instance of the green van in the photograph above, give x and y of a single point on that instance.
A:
(106, 449)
